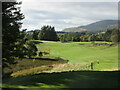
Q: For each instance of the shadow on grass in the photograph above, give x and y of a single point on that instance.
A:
(48, 59)
(76, 79)
(37, 42)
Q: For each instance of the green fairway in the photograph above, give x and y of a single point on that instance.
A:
(76, 53)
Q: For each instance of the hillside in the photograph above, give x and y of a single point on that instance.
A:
(74, 29)
(100, 26)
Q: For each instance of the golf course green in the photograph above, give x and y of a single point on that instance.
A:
(79, 52)
(104, 74)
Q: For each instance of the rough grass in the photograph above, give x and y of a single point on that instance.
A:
(23, 64)
(59, 68)
(32, 71)
(53, 68)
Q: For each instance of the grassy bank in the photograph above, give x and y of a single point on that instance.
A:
(26, 64)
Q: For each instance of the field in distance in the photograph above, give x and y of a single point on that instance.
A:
(80, 52)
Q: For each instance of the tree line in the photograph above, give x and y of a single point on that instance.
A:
(48, 33)
(45, 33)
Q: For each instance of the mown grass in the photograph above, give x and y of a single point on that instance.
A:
(78, 79)
(76, 53)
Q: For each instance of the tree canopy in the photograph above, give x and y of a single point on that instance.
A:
(47, 33)
(15, 44)
(11, 24)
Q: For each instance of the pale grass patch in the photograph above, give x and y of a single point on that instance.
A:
(52, 68)
(69, 67)
(31, 71)
(59, 68)
(112, 69)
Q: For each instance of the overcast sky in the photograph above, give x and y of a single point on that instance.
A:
(66, 14)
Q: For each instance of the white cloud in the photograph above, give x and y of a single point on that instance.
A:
(64, 14)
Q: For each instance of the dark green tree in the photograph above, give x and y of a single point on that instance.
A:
(29, 36)
(70, 37)
(47, 33)
(11, 24)
(31, 49)
(107, 35)
(35, 34)
(20, 49)
(25, 47)
(93, 38)
(115, 35)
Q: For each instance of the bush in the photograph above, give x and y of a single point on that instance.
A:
(40, 54)
(31, 49)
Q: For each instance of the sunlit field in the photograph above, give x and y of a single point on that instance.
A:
(70, 74)
(79, 52)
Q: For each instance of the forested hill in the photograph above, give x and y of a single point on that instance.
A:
(100, 26)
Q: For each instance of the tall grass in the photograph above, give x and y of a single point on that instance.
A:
(57, 68)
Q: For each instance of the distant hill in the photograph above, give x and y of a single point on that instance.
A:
(100, 26)
(74, 29)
